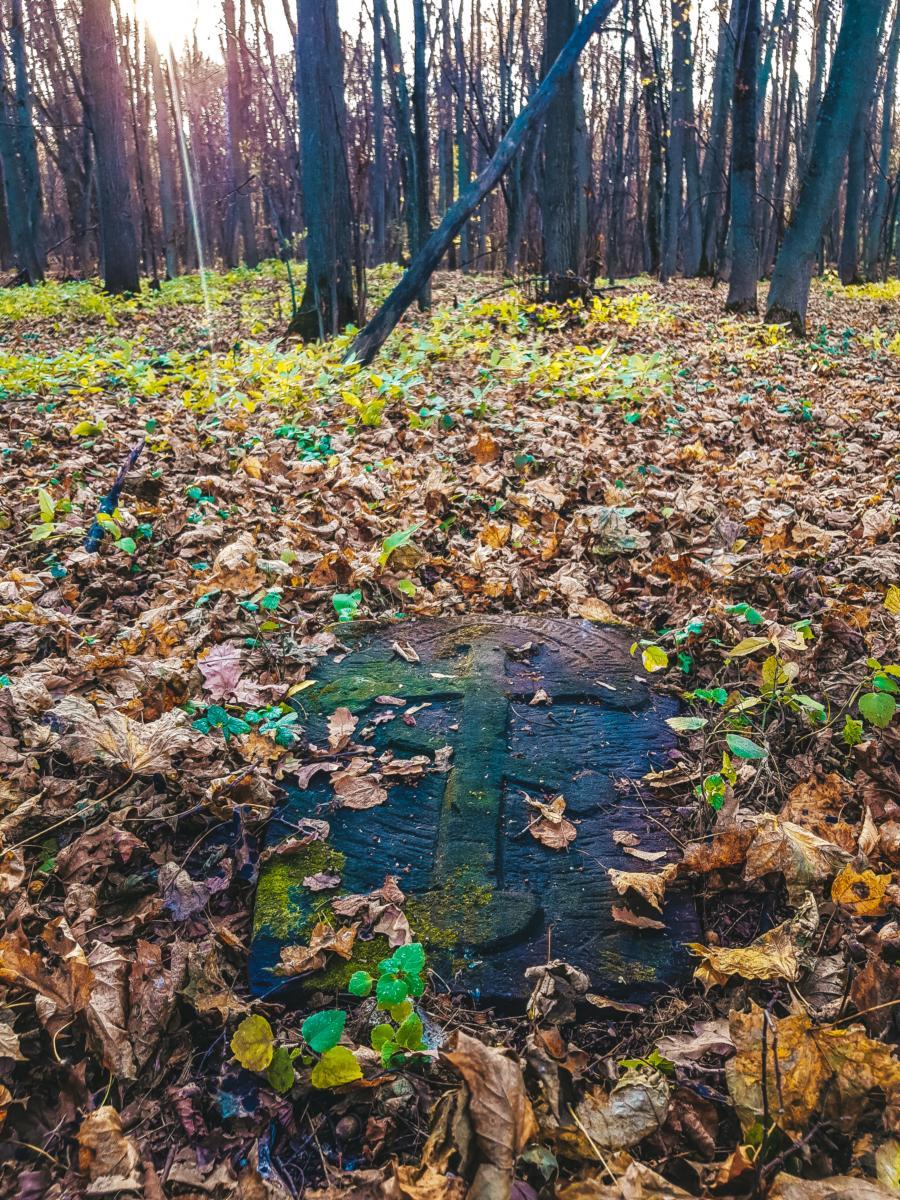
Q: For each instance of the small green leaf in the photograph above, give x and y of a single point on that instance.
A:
(360, 983)
(654, 658)
(743, 747)
(129, 545)
(381, 1034)
(390, 991)
(336, 1066)
(253, 1043)
(686, 724)
(400, 1012)
(323, 1030)
(411, 958)
(409, 1035)
(47, 506)
(395, 541)
(280, 1071)
(852, 732)
(877, 707)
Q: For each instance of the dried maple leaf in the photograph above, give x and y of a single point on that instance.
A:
(106, 1009)
(221, 668)
(626, 917)
(60, 992)
(113, 738)
(355, 787)
(324, 940)
(823, 1073)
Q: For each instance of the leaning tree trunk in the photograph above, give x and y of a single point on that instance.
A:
(744, 249)
(369, 341)
(105, 104)
(328, 302)
(848, 83)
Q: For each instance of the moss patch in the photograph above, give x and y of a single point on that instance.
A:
(284, 908)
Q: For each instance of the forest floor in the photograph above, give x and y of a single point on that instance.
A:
(727, 491)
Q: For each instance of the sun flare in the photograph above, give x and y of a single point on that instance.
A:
(170, 21)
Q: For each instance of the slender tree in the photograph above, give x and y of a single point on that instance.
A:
(682, 167)
(714, 176)
(877, 239)
(848, 83)
(240, 194)
(105, 112)
(563, 189)
(744, 249)
(166, 160)
(328, 302)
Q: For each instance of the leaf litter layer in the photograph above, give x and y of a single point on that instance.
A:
(729, 493)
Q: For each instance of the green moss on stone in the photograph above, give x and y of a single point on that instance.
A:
(611, 964)
(284, 908)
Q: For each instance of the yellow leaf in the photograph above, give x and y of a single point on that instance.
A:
(892, 600)
(863, 892)
(253, 1043)
(812, 1073)
(654, 658)
(253, 466)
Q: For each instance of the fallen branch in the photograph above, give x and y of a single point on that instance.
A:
(110, 501)
(369, 341)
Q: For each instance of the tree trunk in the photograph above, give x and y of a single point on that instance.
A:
(377, 186)
(848, 260)
(563, 186)
(653, 111)
(714, 178)
(105, 112)
(617, 216)
(328, 302)
(420, 140)
(875, 237)
(744, 250)
(236, 139)
(166, 158)
(370, 340)
(850, 77)
(25, 139)
(681, 160)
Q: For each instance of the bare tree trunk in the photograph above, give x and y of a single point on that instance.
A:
(847, 84)
(877, 243)
(239, 181)
(105, 112)
(744, 250)
(714, 177)
(377, 186)
(166, 159)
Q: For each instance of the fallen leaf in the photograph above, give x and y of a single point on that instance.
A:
(802, 857)
(341, 725)
(356, 787)
(324, 940)
(837, 1187)
(777, 954)
(615, 1120)
(626, 917)
(862, 892)
(824, 1073)
(649, 886)
(108, 1158)
(552, 829)
(709, 1037)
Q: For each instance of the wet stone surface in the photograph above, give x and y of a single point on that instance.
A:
(483, 894)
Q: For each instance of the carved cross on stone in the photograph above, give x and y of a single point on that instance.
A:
(483, 894)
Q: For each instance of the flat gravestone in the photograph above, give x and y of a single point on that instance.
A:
(485, 896)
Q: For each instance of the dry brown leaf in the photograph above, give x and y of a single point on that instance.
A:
(647, 884)
(639, 1182)
(106, 1009)
(423, 1182)
(59, 993)
(615, 1120)
(341, 725)
(728, 848)
(9, 1043)
(863, 893)
(626, 917)
(355, 787)
(812, 1072)
(802, 857)
(817, 805)
(709, 1037)
(552, 828)
(837, 1187)
(108, 1158)
(324, 940)
(499, 1109)
(113, 738)
(777, 954)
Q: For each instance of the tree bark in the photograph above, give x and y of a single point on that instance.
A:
(563, 186)
(328, 302)
(851, 75)
(876, 240)
(105, 111)
(166, 160)
(370, 340)
(714, 177)
(236, 139)
(744, 249)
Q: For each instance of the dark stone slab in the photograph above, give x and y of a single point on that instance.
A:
(483, 894)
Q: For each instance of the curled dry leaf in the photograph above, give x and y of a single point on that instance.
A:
(709, 1037)
(648, 885)
(777, 954)
(117, 740)
(108, 1158)
(626, 917)
(356, 787)
(324, 940)
(341, 726)
(812, 1072)
(107, 1008)
(837, 1187)
(802, 857)
(499, 1109)
(615, 1120)
(556, 987)
(552, 829)
(818, 804)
